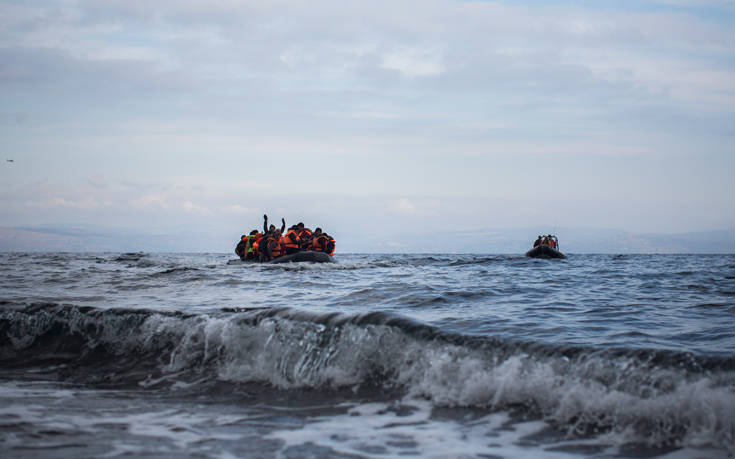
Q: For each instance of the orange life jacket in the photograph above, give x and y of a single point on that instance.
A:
(319, 244)
(330, 246)
(276, 246)
(292, 242)
(251, 248)
(256, 244)
(305, 236)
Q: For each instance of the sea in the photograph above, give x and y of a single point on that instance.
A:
(154, 355)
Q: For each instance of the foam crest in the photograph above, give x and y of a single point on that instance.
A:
(637, 395)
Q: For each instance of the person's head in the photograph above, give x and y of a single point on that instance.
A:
(300, 225)
(271, 228)
(253, 232)
(277, 232)
(317, 232)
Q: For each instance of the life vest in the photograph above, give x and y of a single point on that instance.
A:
(276, 246)
(292, 240)
(251, 242)
(240, 248)
(552, 243)
(305, 236)
(330, 246)
(256, 244)
(319, 244)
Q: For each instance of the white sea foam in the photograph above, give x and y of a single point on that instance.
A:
(389, 430)
(591, 393)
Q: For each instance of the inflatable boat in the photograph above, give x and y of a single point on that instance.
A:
(544, 251)
(306, 255)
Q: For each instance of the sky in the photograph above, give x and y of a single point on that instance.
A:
(191, 119)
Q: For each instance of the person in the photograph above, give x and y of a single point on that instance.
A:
(304, 235)
(331, 244)
(318, 241)
(271, 246)
(272, 227)
(240, 247)
(552, 244)
(292, 241)
(250, 253)
(538, 242)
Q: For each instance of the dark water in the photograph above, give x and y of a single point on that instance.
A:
(164, 355)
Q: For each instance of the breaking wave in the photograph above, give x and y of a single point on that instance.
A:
(659, 397)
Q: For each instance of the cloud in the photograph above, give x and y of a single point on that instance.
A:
(81, 204)
(210, 110)
(414, 62)
(238, 209)
(151, 202)
(190, 207)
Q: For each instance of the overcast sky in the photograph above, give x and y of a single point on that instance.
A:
(367, 117)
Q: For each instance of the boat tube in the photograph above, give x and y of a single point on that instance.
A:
(544, 251)
(306, 255)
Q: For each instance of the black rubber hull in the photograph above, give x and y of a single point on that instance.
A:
(307, 255)
(544, 251)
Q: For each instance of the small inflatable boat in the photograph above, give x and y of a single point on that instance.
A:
(306, 255)
(544, 251)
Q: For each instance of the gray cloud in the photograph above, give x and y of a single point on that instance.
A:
(449, 100)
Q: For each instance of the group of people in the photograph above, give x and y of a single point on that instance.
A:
(273, 242)
(549, 240)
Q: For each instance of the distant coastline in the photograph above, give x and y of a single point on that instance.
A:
(92, 238)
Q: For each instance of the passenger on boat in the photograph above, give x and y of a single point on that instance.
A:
(331, 244)
(271, 246)
(318, 241)
(549, 240)
(292, 241)
(273, 227)
(240, 247)
(250, 249)
(552, 242)
(304, 235)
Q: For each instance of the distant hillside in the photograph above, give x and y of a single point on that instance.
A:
(68, 238)
(572, 240)
(85, 239)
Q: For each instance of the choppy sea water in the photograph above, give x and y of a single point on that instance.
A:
(170, 355)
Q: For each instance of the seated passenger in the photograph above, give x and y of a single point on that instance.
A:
(318, 241)
(304, 235)
(331, 244)
(292, 241)
(271, 246)
(240, 248)
(250, 249)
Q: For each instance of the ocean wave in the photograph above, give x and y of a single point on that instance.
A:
(647, 395)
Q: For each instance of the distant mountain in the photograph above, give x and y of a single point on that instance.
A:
(571, 240)
(81, 238)
(68, 238)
